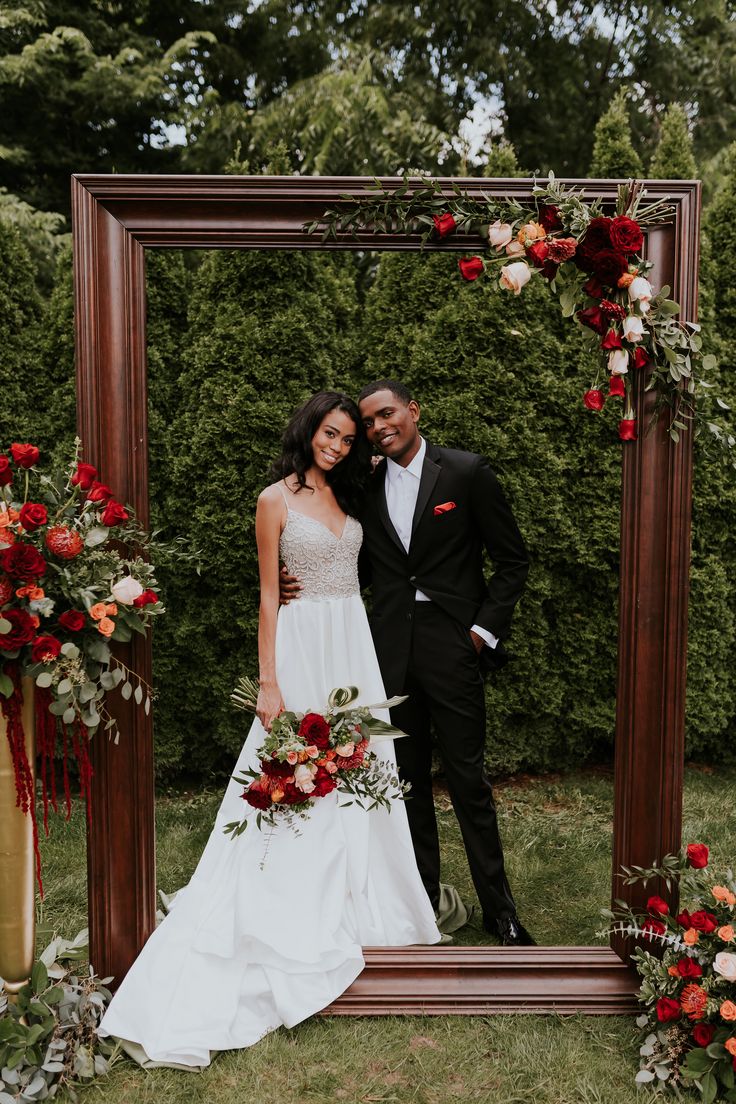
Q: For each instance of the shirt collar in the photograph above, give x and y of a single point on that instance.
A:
(394, 470)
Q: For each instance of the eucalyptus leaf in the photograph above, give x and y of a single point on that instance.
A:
(71, 651)
(86, 691)
(68, 715)
(107, 680)
(96, 536)
(138, 695)
(126, 690)
(6, 685)
(5, 626)
(64, 686)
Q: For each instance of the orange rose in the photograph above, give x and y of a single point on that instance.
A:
(530, 232)
(98, 611)
(105, 626)
(723, 894)
(35, 594)
(7, 536)
(626, 279)
(673, 971)
(730, 1045)
(691, 936)
(728, 1011)
(111, 609)
(36, 620)
(277, 795)
(726, 933)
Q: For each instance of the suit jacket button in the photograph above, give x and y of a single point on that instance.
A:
(412, 578)
(408, 617)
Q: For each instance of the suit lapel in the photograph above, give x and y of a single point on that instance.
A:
(382, 505)
(430, 474)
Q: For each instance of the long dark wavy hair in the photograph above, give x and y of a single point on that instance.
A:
(347, 479)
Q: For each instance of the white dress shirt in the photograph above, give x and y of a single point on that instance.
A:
(402, 490)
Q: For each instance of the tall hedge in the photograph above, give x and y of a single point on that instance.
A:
(22, 386)
(266, 330)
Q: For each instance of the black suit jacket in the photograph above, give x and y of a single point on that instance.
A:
(445, 557)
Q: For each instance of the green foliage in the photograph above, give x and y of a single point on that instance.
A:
(673, 158)
(501, 160)
(20, 313)
(40, 231)
(613, 150)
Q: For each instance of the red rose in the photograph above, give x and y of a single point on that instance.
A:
(653, 927)
(594, 400)
(444, 224)
(147, 598)
(45, 648)
(99, 492)
(114, 513)
(22, 562)
(594, 289)
(657, 906)
(597, 237)
(561, 249)
(626, 235)
(697, 853)
(608, 265)
(703, 1034)
(293, 795)
(84, 477)
(667, 1010)
(6, 472)
(324, 783)
(72, 620)
(689, 968)
(549, 217)
(612, 341)
(23, 629)
(641, 357)
(538, 253)
(32, 516)
(683, 919)
(257, 797)
(275, 769)
(314, 729)
(627, 429)
(593, 318)
(616, 387)
(703, 921)
(25, 456)
(470, 267)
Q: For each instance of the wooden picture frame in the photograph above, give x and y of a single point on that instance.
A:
(115, 219)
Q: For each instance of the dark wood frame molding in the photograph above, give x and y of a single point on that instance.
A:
(115, 219)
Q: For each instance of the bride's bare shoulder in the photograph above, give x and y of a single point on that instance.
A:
(272, 497)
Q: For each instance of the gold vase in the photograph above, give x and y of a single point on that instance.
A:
(17, 868)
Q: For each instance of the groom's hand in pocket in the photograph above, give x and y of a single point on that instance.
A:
(478, 641)
(289, 587)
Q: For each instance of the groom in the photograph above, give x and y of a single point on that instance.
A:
(436, 623)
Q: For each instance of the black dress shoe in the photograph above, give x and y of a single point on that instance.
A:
(510, 931)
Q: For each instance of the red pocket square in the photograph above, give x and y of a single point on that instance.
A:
(444, 508)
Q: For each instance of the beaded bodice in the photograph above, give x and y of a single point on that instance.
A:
(326, 565)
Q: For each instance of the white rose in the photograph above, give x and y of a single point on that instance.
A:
(633, 328)
(640, 290)
(618, 362)
(126, 590)
(514, 276)
(725, 964)
(515, 248)
(303, 778)
(500, 234)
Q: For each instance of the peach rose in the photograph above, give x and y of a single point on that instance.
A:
(531, 232)
(625, 280)
(728, 1011)
(98, 611)
(312, 751)
(730, 1045)
(514, 276)
(331, 767)
(35, 620)
(726, 933)
(111, 609)
(292, 758)
(515, 249)
(345, 750)
(500, 234)
(303, 778)
(691, 937)
(277, 795)
(106, 626)
(724, 894)
(725, 964)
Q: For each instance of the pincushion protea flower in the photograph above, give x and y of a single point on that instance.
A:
(63, 542)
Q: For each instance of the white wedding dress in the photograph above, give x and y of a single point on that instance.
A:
(270, 928)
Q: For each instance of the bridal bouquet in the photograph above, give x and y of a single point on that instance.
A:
(306, 756)
(689, 986)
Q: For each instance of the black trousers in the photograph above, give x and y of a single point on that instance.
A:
(445, 688)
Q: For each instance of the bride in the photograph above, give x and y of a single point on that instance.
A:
(270, 928)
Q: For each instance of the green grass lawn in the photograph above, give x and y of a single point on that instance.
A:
(557, 831)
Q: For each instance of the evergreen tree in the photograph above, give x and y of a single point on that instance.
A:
(613, 150)
(501, 160)
(23, 388)
(673, 158)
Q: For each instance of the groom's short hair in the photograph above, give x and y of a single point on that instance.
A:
(398, 390)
